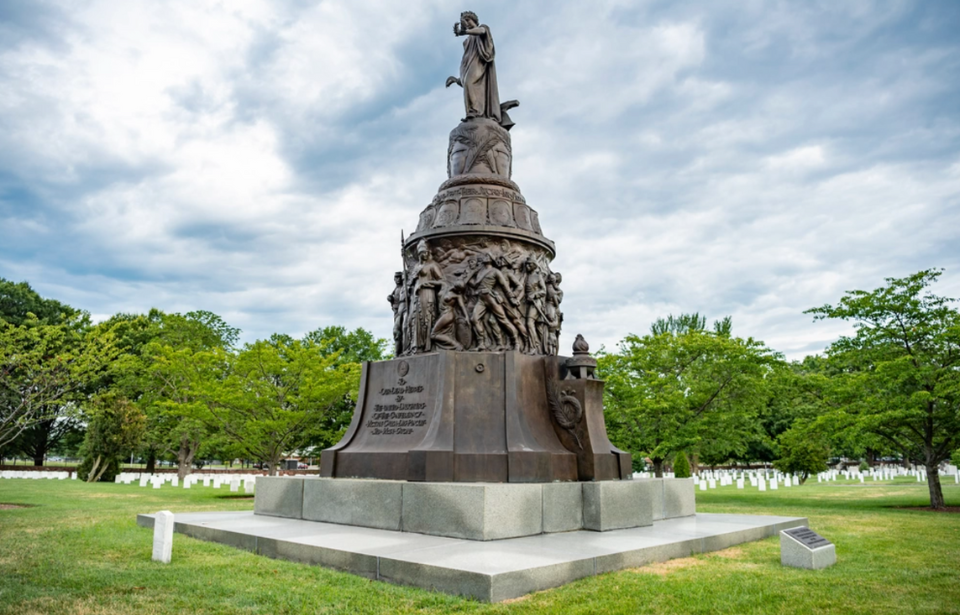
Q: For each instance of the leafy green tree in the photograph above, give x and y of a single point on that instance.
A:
(802, 452)
(900, 371)
(115, 429)
(44, 436)
(683, 387)
(354, 346)
(276, 390)
(681, 466)
(57, 335)
(19, 303)
(43, 369)
(179, 370)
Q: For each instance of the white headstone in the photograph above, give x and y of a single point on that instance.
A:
(162, 536)
(206, 481)
(235, 485)
(175, 482)
(773, 484)
(712, 483)
(739, 483)
(761, 484)
(703, 486)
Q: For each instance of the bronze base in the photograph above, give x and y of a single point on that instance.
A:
(473, 417)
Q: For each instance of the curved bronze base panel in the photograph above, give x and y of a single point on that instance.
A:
(474, 417)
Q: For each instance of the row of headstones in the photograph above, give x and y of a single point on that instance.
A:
(37, 475)
(712, 479)
(883, 473)
(248, 481)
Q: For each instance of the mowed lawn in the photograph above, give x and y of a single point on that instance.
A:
(77, 550)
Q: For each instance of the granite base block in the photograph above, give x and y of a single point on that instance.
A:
(562, 507)
(279, 496)
(679, 498)
(366, 503)
(484, 511)
(613, 505)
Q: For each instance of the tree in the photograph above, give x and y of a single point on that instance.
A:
(43, 368)
(38, 440)
(681, 466)
(802, 452)
(20, 303)
(276, 390)
(180, 368)
(39, 343)
(901, 369)
(354, 346)
(115, 429)
(683, 387)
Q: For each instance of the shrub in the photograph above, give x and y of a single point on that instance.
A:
(681, 466)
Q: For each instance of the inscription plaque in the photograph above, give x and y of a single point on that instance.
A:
(807, 537)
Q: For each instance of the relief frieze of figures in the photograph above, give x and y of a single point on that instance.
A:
(476, 293)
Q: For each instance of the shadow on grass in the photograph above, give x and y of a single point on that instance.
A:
(234, 497)
(8, 505)
(948, 509)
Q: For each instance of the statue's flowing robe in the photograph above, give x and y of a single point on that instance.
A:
(478, 74)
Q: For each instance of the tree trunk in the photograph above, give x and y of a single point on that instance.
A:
(151, 461)
(188, 450)
(933, 484)
(103, 468)
(274, 464)
(38, 459)
(93, 470)
(657, 467)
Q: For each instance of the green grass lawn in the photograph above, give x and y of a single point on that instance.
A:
(77, 550)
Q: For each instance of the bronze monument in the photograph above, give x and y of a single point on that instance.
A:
(477, 392)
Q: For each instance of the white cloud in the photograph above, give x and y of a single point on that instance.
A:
(259, 159)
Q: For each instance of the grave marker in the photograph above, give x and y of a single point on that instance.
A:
(162, 536)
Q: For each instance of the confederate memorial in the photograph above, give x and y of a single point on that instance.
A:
(477, 461)
(477, 391)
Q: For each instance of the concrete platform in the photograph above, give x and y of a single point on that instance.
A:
(490, 571)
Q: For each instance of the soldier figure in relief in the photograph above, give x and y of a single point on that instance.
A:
(487, 279)
(425, 279)
(536, 291)
(512, 308)
(398, 301)
(444, 334)
(553, 314)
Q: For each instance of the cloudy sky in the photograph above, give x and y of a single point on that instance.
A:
(259, 159)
